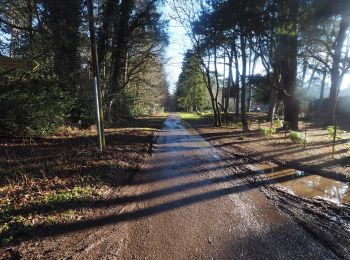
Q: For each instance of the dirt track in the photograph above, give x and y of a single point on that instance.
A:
(188, 203)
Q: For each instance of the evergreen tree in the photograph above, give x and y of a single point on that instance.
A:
(131, 39)
(191, 91)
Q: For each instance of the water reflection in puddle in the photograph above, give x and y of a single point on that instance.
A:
(307, 185)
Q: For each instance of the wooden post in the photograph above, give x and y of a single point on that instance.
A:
(305, 135)
(334, 139)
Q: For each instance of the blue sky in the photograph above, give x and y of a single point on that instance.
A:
(178, 44)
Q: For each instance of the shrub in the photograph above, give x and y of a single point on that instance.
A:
(331, 130)
(34, 107)
(297, 138)
(278, 123)
(268, 130)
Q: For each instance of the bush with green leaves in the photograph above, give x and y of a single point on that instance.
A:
(331, 132)
(129, 104)
(297, 138)
(278, 123)
(36, 106)
(266, 131)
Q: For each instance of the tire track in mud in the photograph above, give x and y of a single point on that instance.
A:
(326, 221)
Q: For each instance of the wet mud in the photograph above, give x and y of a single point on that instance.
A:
(307, 185)
(317, 202)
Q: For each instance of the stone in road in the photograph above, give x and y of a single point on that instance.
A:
(192, 205)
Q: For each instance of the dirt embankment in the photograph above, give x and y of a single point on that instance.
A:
(63, 179)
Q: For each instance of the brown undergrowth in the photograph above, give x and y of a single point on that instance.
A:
(46, 181)
(316, 156)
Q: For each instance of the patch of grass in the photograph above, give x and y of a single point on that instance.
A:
(267, 131)
(13, 225)
(297, 138)
(68, 214)
(16, 226)
(189, 116)
(76, 194)
(63, 216)
(193, 116)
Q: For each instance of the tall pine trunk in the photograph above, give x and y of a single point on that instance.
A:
(209, 85)
(237, 77)
(217, 88)
(288, 63)
(230, 81)
(243, 80)
(272, 105)
(323, 83)
(335, 74)
(120, 50)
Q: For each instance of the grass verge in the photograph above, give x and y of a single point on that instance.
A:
(194, 116)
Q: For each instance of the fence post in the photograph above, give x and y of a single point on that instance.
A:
(305, 135)
(334, 138)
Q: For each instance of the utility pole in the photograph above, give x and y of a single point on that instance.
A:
(96, 78)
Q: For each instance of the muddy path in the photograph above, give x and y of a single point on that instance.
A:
(190, 202)
(316, 200)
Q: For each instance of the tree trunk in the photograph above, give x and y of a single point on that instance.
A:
(335, 74)
(65, 39)
(110, 14)
(312, 78)
(207, 80)
(223, 92)
(323, 83)
(288, 48)
(272, 105)
(217, 88)
(305, 66)
(237, 78)
(119, 52)
(230, 81)
(243, 79)
(251, 72)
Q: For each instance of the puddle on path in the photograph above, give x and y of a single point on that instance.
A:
(307, 185)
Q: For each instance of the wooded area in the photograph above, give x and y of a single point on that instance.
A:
(130, 42)
(291, 40)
